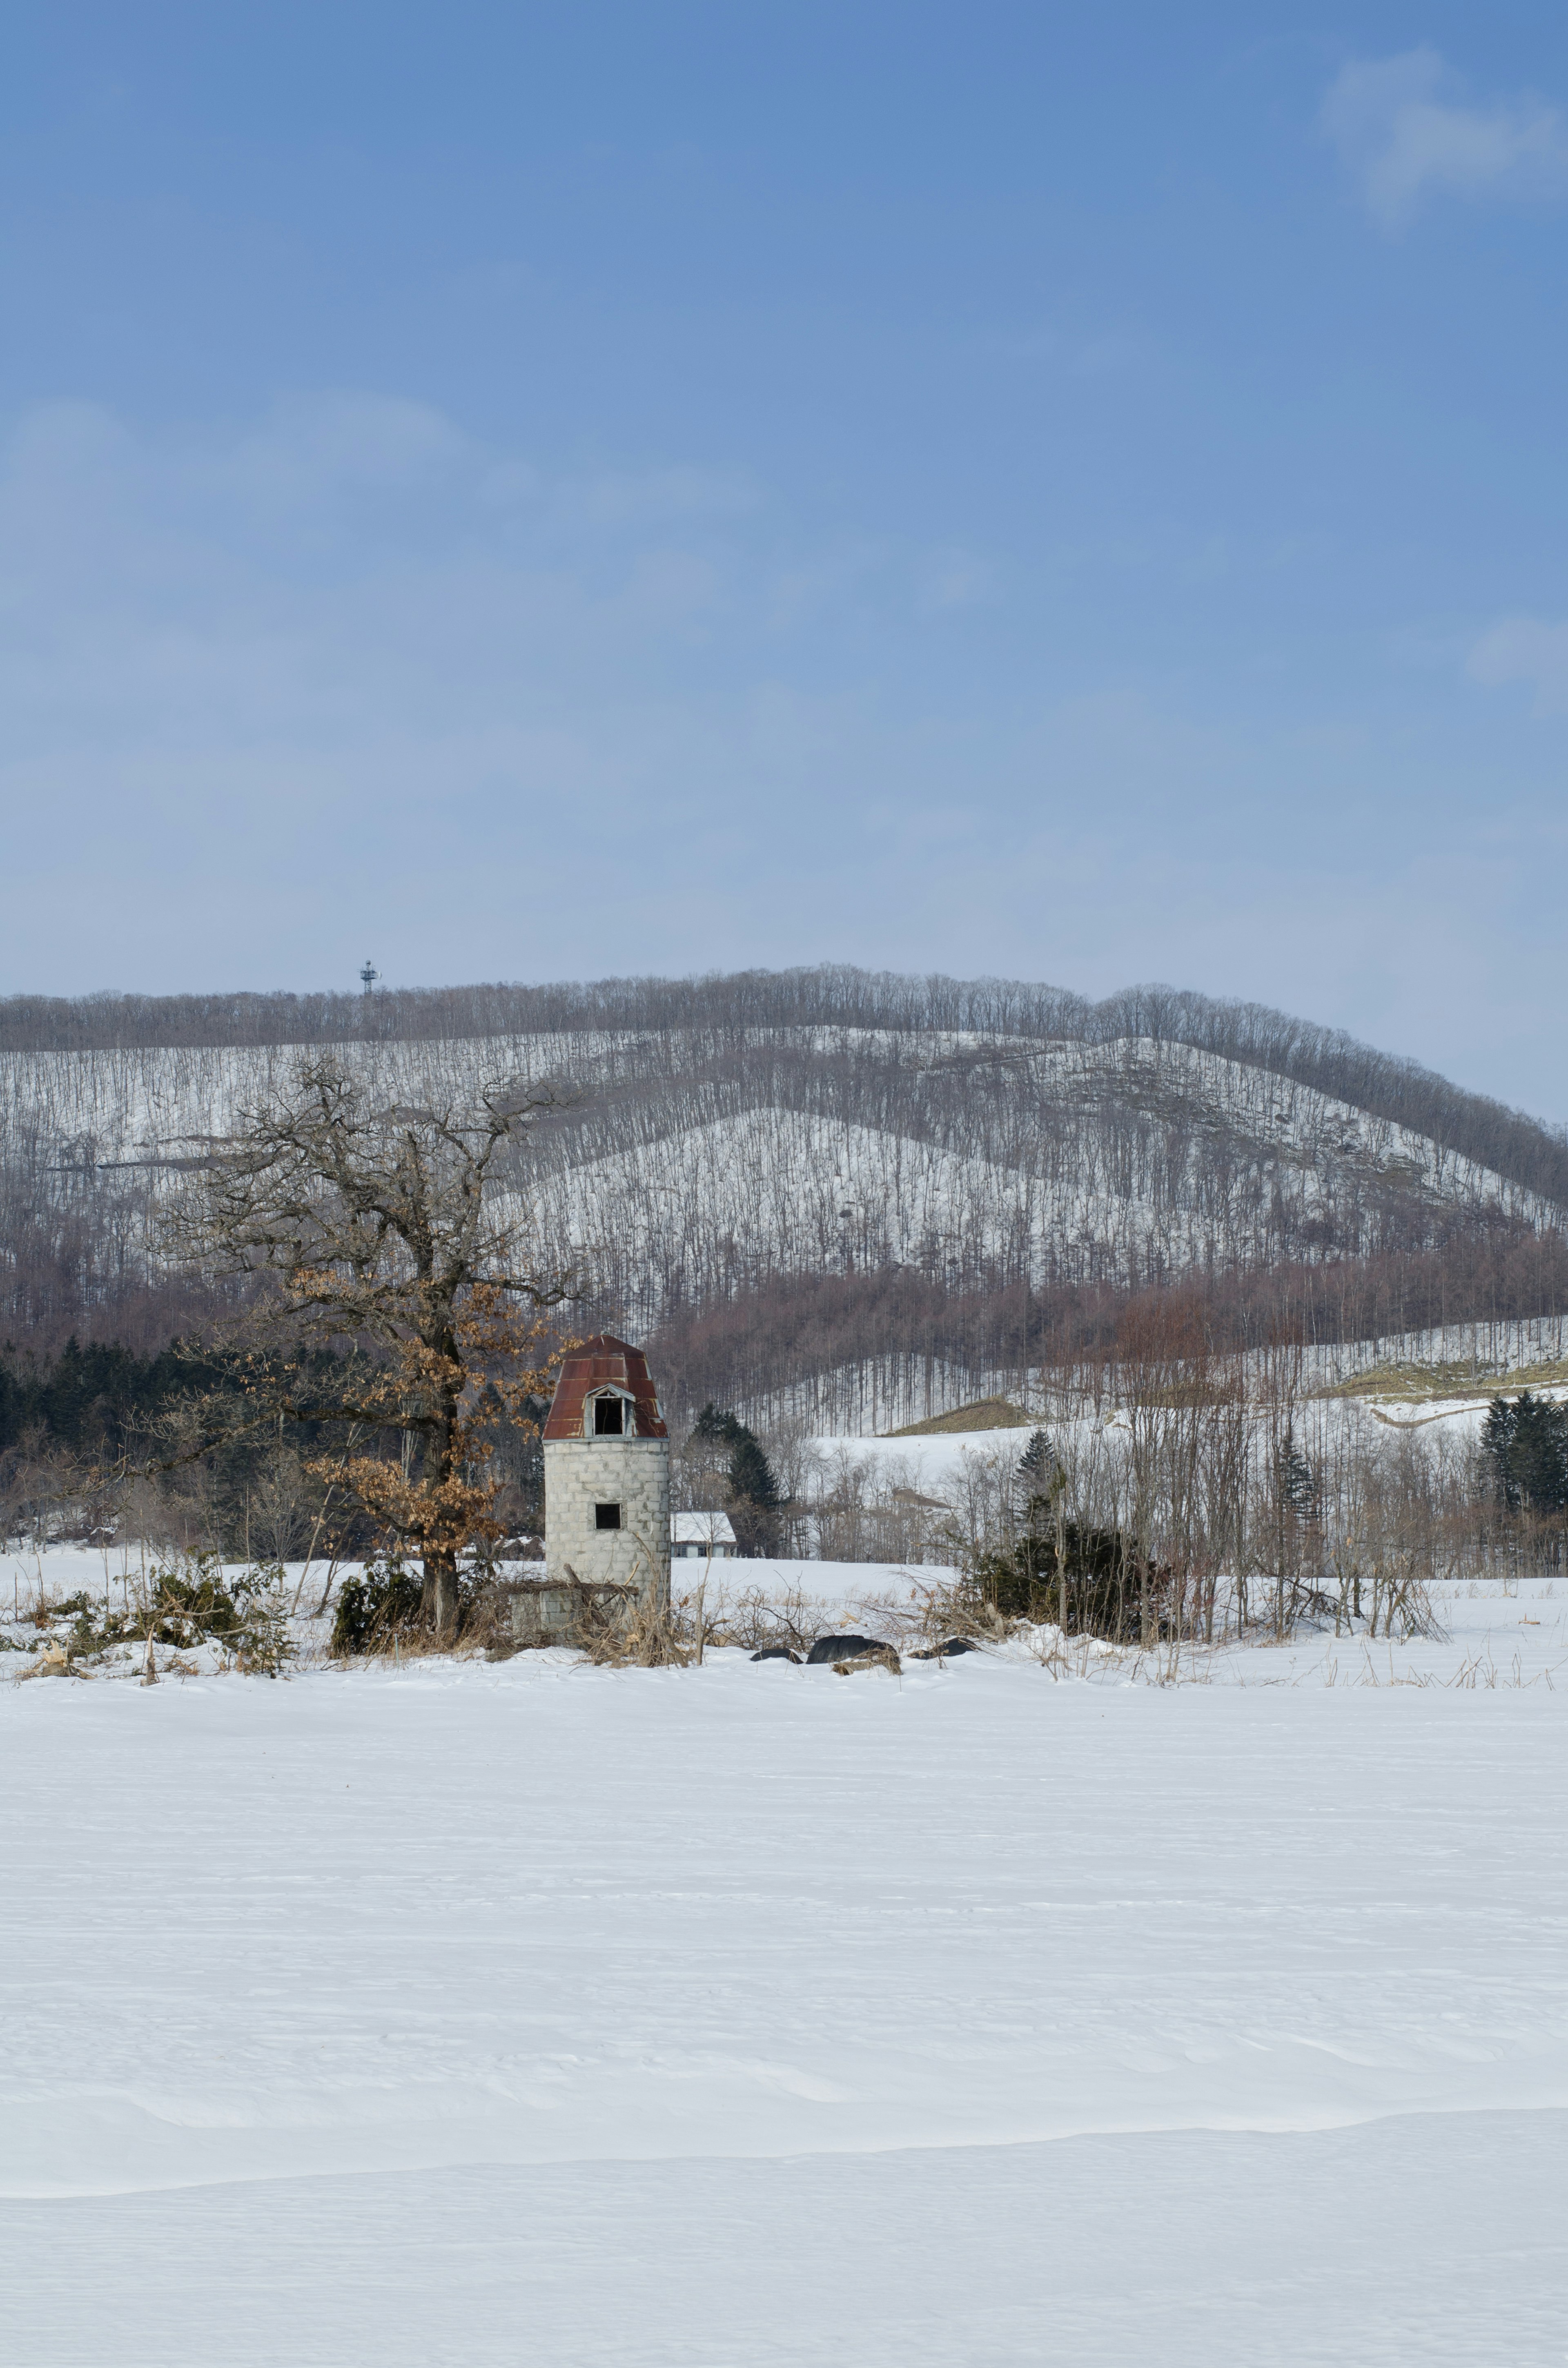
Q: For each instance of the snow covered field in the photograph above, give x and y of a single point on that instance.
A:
(750, 2014)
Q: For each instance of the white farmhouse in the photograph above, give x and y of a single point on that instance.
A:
(701, 1537)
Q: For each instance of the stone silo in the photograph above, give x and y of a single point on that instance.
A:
(607, 1474)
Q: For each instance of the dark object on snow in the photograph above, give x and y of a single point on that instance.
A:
(777, 1652)
(945, 1652)
(843, 1648)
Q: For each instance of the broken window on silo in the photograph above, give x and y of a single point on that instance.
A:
(607, 1517)
(609, 1422)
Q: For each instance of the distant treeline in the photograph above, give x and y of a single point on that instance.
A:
(762, 1343)
(723, 1008)
(95, 1439)
(94, 1397)
(98, 1397)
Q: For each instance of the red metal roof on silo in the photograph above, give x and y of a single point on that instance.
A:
(589, 1366)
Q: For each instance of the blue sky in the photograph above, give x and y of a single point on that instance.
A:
(525, 492)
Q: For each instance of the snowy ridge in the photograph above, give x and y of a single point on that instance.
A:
(690, 1166)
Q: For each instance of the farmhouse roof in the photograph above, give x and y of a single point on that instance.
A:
(701, 1529)
(603, 1363)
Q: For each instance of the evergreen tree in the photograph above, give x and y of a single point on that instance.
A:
(1296, 1481)
(754, 1496)
(750, 1475)
(1043, 1480)
(1037, 1462)
(718, 1427)
(1526, 1442)
(94, 1397)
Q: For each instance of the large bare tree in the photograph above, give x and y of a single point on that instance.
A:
(373, 1226)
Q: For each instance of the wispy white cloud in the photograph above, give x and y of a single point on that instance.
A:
(1403, 134)
(1531, 649)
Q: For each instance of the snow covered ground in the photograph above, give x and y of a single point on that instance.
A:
(750, 2014)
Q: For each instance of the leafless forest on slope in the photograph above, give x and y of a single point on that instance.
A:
(779, 1177)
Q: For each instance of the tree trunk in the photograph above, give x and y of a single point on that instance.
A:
(438, 1598)
(440, 1595)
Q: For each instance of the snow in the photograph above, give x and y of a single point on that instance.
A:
(937, 1459)
(779, 1188)
(461, 2011)
(701, 1529)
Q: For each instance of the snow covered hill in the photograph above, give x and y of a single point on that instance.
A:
(693, 1162)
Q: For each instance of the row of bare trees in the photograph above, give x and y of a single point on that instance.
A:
(720, 1011)
(871, 1352)
(692, 1173)
(1213, 1490)
(717, 1138)
(1233, 1508)
(53, 1493)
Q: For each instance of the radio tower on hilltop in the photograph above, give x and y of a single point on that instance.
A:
(369, 976)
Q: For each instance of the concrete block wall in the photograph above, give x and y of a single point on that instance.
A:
(631, 1473)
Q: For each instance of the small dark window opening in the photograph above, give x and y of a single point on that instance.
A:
(607, 1517)
(609, 1422)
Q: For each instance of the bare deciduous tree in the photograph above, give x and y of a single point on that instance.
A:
(372, 1228)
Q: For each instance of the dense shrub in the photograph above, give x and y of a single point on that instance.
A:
(373, 1609)
(196, 1602)
(1111, 1587)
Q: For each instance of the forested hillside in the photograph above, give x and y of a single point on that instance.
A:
(775, 1173)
